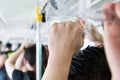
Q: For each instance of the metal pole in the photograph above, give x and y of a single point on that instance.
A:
(39, 53)
(38, 45)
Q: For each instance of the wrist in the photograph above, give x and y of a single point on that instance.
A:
(22, 48)
(61, 59)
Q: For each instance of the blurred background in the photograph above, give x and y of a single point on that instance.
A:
(17, 17)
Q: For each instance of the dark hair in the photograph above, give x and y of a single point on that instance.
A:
(0, 42)
(103, 25)
(90, 64)
(8, 45)
(44, 58)
(30, 54)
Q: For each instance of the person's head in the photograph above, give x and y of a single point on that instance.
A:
(9, 46)
(90, 64)
(0, 45)
(30, 56)
(19, 45)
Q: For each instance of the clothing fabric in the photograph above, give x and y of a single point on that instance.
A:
(19, 75)
(3, 74)
(90, 64)
(9, 53)
(1, 53)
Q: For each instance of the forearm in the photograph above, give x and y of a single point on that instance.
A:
(112, 46)
(19, 62)
(1, 64)
(58, 68)
(14, 57)
(2, 59)
(10, 62)
(64, 40)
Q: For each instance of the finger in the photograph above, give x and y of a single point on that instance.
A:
(54, 24)
(69, 24)
(82, 22)
(107, 11)
(79, 24)
(54, 27)
(79, 27)
(117, 9)
(62, 24)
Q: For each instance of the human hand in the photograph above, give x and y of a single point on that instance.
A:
(65, 38)
(25, 44)
(111, 13)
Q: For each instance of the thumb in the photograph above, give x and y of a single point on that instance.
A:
(82, 22)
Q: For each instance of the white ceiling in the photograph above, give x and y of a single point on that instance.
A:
(17, 8)
(15, 17)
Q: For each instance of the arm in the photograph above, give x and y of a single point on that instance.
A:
(10, 62)
(112, 38)
(2, 60)
(58, 68)
(65, 39)
(19, 62)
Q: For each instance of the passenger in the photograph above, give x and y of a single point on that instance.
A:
(19, 62)
(29, 62)
(112, 37)
(25, 63)
(3, 57)
(9, 51)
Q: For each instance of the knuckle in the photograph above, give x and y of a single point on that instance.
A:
(54, 24)
(69, 25)
(62, 24)
(54, 27)
(78, 29)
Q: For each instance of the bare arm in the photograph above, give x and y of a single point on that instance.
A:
(112, 38)
(58, 68)
(2, 60)
(10, 62)
(19, 62)
(65, 40)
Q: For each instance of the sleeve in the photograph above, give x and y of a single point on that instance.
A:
(2, 53)
(17, 75)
